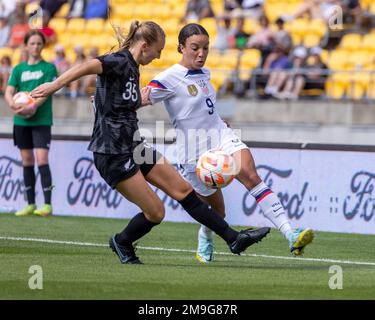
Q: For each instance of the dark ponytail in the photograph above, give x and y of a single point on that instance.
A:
(189, 30)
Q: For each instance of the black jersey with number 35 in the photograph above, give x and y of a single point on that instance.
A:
(117, 97)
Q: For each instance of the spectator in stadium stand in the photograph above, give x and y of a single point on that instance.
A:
(197, 10)
(88, 83)
(316, 9)
(262, 39)
(281, 36)
(314, 76)
(18, 31)
(241, 37)
(276, 66)
(51, 7)
(49, 33)
(96, 9)
(32, 124)
(4, 31)
(186, 113)
(225, 38)
(123, 158)
(5, 70)
(352, 11)
(7, 8)
(76, 9)
(252, 9)
(74, 87)
(230, 5)
(61, 63)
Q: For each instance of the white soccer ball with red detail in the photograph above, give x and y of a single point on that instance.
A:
(24, 98)
(216, 168)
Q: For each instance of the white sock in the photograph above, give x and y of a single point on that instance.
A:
(206, 232)
(272, 208)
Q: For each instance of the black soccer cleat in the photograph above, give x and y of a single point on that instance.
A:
(248, 237)
(126, 254)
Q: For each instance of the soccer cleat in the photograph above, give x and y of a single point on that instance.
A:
(248, 237)
(28, 210)
(44, 211)
(299, 239)
(205, 249)
(126, 254)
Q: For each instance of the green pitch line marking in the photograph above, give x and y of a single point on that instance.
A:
(90, 244)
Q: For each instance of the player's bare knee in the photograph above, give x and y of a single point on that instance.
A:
(156, 214)
(249, 178)
(182, 190)
(28, 160)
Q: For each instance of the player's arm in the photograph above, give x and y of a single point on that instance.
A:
(93, 66)
(9, 93)
(159, 91)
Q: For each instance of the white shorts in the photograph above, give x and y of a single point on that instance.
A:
(231, 143)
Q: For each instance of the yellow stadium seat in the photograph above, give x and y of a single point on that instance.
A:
(338, 60)
(298, 29)
(338, 84)
(31, 8)
(311, 40)
(371, 87)
(351, 41)
(210, 25)
(365, 4)
(76, 25)
(16, 56)
(230, 59)
(95, 26)
(372, 8)
(63, 12)
(359, 85)
(251, 26)
(318, 27)
(66, 40)
(123, 11)
(178, 11)
(218, 78)
(324, 56)
(58, 24)
(368, 42)
(250, 59)
(5, 51)
(144, 12)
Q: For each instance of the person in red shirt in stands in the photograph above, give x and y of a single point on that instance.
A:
(18, 31)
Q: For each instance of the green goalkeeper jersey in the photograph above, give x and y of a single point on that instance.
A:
(27, 77)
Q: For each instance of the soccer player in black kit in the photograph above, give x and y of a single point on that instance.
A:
(120, 153)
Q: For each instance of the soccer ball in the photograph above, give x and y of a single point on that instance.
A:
(216, 168)
(24, 98)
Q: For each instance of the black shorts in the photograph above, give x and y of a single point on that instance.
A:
(30, 137)
(114, 168)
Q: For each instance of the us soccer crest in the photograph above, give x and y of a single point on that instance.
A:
(193, 91)
(203, 86)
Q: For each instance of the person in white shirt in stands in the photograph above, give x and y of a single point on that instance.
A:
(190, 101)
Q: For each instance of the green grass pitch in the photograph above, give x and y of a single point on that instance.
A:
(267, 271)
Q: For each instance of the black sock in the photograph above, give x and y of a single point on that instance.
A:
(45, 177)
(137, 227)
(205, 215)
(29, 181)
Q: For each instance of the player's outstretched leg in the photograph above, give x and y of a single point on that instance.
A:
(126, 253)
(298, 239)
(248, 237)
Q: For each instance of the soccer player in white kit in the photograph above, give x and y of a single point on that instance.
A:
(189, 98)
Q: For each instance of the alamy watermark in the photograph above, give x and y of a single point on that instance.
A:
(335, 19)
(336, 281)
(36, 280)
